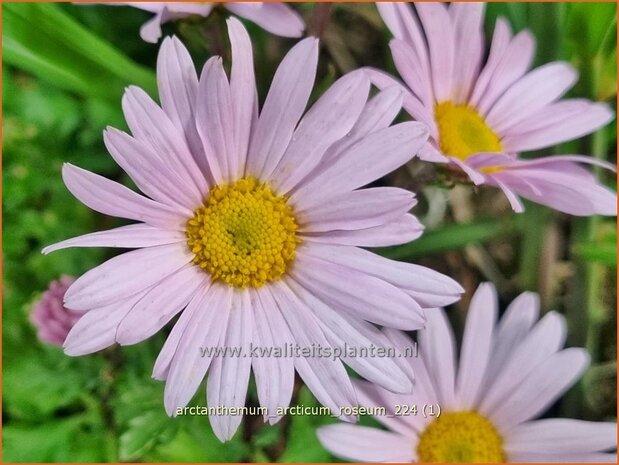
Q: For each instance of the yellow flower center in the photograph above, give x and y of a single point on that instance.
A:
(460, 437)
(463, 132)
(244, 234)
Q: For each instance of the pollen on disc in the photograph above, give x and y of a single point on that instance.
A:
(244, 234)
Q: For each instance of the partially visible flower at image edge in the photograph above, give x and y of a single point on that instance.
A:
(253, 231)
(509, 372)
(481, 114)
(50, 317)
(274, 17)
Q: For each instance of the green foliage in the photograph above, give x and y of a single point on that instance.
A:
(303, 446)
(64, 72)
(64, 52)
(602, 249)
(451, 237)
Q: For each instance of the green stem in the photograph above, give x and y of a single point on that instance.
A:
(587, 313)
(595, 272)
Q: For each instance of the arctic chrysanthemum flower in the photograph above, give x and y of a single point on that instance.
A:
(252, 230)
(509, 372)
(277, 18)
(52, 320)
(480, 115)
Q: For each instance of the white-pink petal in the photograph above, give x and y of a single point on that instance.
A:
(591, 457)
(440, 36)
(357, 334)
(229, 376)
(125, 275)
(360, 165)
(406, 62)
(161, 304)
(325, 377)
(467, 19)
(378, 113)
(402, 230)
(372, 396)
(559, 122)
(151, 125)
(177, 82)
(276, 18)
(540, 389)
(538, 88)
(419, 281)
(150, 173)
(110, 198)
(366, 444)
(410, 103)
(561, 436)
(438, 349)
(209, 311)
(562, 186)
(357, 293)
(215, 121)
(514, 325)
(282, 109)
(477, 342)
(327, 121)
(96, 330)
(130, 237)
(243, 91)
(510, 66)
(167, 352)
(360, 209)
(274, 375)
(150, 31)
(544, 340)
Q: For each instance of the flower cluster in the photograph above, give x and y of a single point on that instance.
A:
(255, 220)
(51, 318)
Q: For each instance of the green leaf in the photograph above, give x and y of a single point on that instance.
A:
(195, 441)
(37, 383)
(65, 440)
(43, 40)
(143, 433)
(139, 411)
(267, 435)
(588, 24)
(450, 237)
(303, 444)
(603, 250)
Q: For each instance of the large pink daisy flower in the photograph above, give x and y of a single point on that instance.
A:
(252, 230)
(509, 372)
(482, 113)
(277, 18)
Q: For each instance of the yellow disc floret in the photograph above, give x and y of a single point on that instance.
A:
(463, 132)
(460, 437)
(244, 234)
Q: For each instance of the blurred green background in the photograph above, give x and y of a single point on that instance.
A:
(64, 71)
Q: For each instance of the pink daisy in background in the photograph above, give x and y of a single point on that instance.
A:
(481, 113)
(509, 372)
(252, 231)
(276, 18)
(51, 318)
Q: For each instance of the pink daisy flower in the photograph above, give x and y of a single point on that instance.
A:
(276, 18)
(51, 318)
(252, 230)
(482, 113)
(509, 372)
